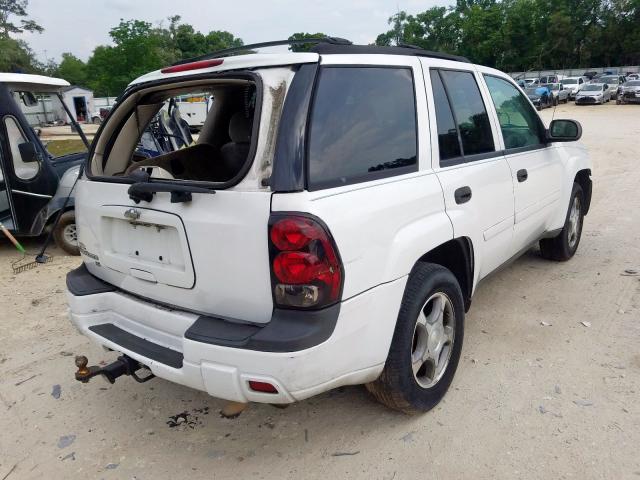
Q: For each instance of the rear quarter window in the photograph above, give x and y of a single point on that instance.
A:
(362, 126)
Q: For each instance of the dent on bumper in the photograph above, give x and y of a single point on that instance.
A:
(354, 353)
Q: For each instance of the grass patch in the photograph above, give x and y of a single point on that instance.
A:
(58, 148)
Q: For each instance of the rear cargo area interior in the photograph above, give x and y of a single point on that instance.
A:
(155, 136)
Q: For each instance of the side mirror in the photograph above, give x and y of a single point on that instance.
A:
(564, 131)
(29, 99)
(29, 152)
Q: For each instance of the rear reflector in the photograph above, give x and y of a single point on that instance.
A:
(262, 387)
(193, 66)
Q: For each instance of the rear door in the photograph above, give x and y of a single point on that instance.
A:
(535, 165)
(475, 177)
(208, 255)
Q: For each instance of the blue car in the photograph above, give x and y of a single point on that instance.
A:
(541, 97)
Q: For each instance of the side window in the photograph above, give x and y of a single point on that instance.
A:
(469, 111)
(520, 124)
(23, 170)
(448, 140)
(463, 123)
(362, 126)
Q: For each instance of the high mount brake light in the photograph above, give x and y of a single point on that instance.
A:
(185, 67)
(306, 271)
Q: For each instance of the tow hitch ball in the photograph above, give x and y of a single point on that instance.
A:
(122, 366)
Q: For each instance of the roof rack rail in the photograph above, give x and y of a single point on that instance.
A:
(325, 48)
(275, 43)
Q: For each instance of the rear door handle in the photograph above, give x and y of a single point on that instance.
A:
(522, 175)
(462, 195)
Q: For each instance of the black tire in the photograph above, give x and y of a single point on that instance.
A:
(563, 246)
(398, 387)
(67, 221)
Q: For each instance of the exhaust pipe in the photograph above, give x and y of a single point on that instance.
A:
(122, 366)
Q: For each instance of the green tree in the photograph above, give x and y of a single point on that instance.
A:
(72, 69)
(16, 56)
(189, 43)
(395, 36)
(304, 47)
(16, 8)
(138, 48)
(526, 34)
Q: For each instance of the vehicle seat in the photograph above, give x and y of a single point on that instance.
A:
(181, 125)
(234, 154)
(197, 162)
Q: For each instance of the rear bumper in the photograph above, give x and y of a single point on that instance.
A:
(354, 352)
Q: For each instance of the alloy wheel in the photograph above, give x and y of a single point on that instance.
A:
(433, 339)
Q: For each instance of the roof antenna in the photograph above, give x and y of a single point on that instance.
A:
(555, 72)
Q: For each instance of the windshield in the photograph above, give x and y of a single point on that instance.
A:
(632, 83)
(609, 80)
(51, 123)
(553, 86)
(592, 88)
(570, 81)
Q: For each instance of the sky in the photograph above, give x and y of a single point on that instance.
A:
(78, 26)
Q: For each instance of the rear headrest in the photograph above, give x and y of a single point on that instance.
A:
(240, 128)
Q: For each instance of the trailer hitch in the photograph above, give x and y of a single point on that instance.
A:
(122, 366)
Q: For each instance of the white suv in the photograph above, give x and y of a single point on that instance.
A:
(328, 227)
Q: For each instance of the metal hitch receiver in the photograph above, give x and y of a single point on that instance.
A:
(122, 366)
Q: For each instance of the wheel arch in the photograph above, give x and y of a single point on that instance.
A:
(583, 178)
(55, 207)
(457, 256)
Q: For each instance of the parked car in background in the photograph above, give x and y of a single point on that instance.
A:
(613, 83)
(633, 76)
(630, 92)
(100, 114)
(283, 255)
(558, 92)
(593, 93)
(590, 74)
(531, 82)
(551, 79)
(540, 96)
(574, 85)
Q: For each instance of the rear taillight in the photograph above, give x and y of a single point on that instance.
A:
(306, 271)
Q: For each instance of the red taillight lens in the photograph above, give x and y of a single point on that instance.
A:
(185, 67)
(306, 269)
(294, 233)
(262, 387)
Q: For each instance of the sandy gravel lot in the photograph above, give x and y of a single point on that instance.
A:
(528, 401)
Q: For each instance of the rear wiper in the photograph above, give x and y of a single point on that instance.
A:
(179, 193)
(143, 189)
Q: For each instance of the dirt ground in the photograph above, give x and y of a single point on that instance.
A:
(529, 400)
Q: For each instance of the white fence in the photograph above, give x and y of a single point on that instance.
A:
(101, 102)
